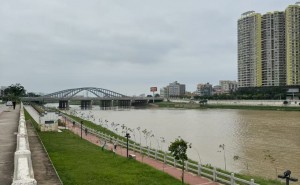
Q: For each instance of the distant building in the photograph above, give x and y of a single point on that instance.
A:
(174, 89)
(204, 89)
(2, 88)
(164, 92)
(217, 89)
(228, 86)
(269, 47)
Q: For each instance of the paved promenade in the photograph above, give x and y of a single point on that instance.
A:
(44, 172)
(175, 172)
(9, 120)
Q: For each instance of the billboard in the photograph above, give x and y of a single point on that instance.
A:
(153, 89)
(293, 90)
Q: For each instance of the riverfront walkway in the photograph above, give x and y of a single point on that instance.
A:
(9, 120)
(171, 170)
(44, 172)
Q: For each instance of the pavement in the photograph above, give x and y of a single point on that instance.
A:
(189, 178)
(9, 120)
(44, 172)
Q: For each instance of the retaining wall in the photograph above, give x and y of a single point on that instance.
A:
(23, 171)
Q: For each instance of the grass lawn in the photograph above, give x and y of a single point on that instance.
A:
(78, 161)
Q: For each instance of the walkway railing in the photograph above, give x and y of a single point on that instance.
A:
(23, 171)
(195, 168)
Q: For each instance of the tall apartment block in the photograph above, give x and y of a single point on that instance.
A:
(292, 29)
(273, 49)
(249, 50)
(269, 48)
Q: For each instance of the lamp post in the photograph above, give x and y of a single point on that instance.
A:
(223, 147)
(81, 122)
(127, 136)
(65, 122)
(198, 155)
(287, 176)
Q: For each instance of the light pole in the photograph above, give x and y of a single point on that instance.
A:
(287, 176)
(198, 155)
(81, 122)
(127, 136)
(65, 122)
(223, 147)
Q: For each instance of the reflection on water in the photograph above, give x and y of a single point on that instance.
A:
(264, 143)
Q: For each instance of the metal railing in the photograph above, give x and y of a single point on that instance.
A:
(198, 169)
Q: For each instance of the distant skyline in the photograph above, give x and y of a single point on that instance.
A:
(124, 46)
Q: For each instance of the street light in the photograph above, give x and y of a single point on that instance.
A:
(287, 176)
(81, 122)
(127, 136)
(223, 147)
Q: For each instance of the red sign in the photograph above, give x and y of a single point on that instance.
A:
(153, 89)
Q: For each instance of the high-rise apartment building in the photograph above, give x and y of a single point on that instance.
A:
(273, 49)
(269, 48)
(292, 33)
(249, 50)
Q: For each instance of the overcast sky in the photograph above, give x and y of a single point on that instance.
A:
(123, 45)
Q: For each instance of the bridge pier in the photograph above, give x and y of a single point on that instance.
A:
(106, 103)
(63, 104)
(86, 104)
(124, 103)
(139, 102)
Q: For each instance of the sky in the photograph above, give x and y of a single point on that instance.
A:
(124, 46)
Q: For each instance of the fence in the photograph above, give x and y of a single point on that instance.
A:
(23, 171)
(189, 166)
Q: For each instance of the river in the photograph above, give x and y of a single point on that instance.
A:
(264, 143)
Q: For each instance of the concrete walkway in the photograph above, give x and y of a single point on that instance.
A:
(9, 120)
(44, 172)
(171, 170)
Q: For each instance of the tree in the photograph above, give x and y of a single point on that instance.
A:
(14, 92)
(178, 149)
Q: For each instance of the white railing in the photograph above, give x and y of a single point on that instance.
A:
(198, 169)
(23, 171)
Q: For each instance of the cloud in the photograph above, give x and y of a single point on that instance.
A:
(124, 45)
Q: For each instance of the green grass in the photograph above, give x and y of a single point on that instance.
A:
(259, 180)
(78, 161)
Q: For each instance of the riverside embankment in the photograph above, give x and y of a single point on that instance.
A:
(257, 142)
(234, 104)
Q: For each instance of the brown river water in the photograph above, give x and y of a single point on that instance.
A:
(263, 143)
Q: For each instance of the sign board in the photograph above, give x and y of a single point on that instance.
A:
(49, 122)
(294, 90)
(153, 89)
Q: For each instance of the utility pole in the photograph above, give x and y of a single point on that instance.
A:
(287, 176)
(127, 136)
(81, 122)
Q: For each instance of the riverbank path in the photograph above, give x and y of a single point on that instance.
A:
(44, 171)
(9, 119)
(189, 178)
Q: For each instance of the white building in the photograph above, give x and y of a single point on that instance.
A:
(174, 89)
(2, 88)
(228, 86)
(204, 89)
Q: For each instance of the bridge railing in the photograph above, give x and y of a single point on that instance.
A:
(23, 171)
(198, 169)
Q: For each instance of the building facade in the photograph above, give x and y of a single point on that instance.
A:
(249, 50)
(273, 49)
(204, 89)
(292, 33)
(228, 86)
(174, 89)
(2, 88)
(269, 48)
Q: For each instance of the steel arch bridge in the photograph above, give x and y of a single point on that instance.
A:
(98, 92)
